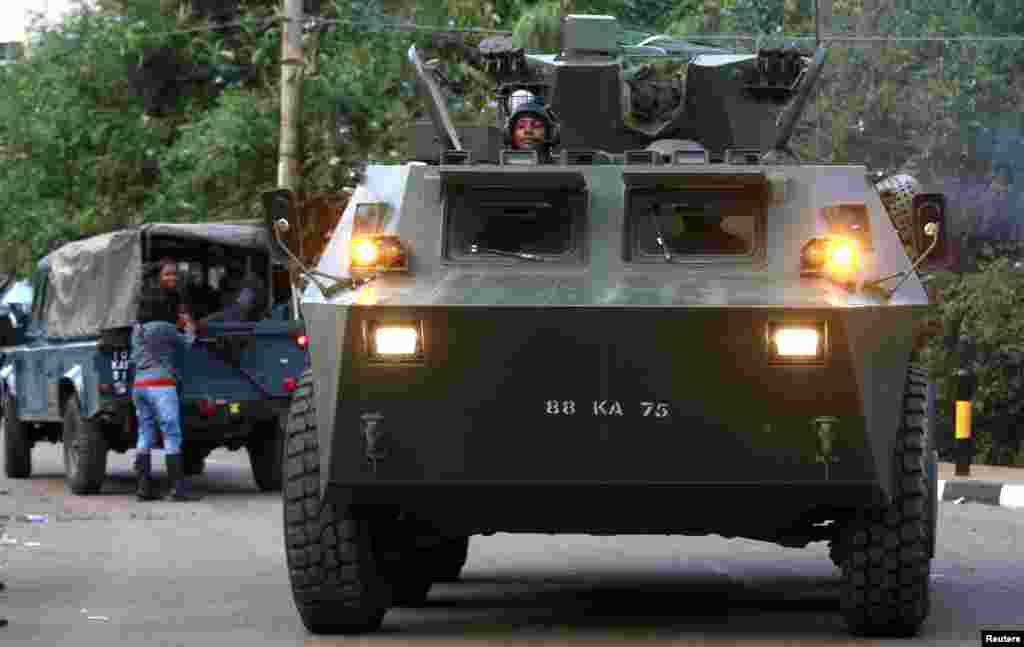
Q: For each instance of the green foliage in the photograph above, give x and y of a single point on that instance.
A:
(73, 140)
(219, 164)
(539, 27)
(985, 306)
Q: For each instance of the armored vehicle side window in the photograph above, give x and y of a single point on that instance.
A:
(500, 222)
(694, 223)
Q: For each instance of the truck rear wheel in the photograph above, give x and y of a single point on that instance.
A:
(330, 554)
(266, 454)
(85, 450)
(885, 555)
(17, 444)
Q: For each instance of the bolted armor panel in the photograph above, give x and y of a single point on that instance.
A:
(897, 194)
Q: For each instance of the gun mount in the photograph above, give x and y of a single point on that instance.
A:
(609, 96)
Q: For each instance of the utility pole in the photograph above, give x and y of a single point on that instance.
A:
(289, 170)
(823, 15)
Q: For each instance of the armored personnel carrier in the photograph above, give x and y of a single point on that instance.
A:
(660, 321)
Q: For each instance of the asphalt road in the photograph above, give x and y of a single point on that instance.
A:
(107, 570)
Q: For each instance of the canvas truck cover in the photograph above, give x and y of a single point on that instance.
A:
(94, 283)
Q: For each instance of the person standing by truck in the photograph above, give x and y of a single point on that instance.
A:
(157, 347)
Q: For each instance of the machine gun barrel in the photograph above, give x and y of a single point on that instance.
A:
(435, 104)
(791, 114)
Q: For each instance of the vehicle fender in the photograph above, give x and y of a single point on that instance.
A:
(74, 382)
(7, 380)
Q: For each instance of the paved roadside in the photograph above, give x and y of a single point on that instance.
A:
(987, 484)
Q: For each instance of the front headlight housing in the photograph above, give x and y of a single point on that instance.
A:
(394, 341)
(378, 253)
(797, 342)
(839, 258)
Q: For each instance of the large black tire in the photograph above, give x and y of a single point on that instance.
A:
(931, 461)
(885, 556)
(85, 450)
(17, 442)
(266, 454)
(449, 558)
(331, 560)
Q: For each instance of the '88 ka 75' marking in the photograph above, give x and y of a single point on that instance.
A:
(606, 408)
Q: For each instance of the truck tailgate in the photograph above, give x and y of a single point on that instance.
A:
(244, 361)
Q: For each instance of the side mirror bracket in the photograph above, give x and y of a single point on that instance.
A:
(930, 209)
(278, 206)
(929, 230)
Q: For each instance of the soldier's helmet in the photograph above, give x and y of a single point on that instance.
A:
(523, 102)
(897, 194)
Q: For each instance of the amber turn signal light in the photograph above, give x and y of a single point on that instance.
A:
(836, 257)
(378, 253)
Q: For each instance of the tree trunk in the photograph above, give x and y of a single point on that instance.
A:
(712, 16)
(289, 168)
(823, 14)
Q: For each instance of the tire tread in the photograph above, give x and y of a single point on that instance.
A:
(885, 561)
(330, 563)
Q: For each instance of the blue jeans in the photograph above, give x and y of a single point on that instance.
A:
(153, 405)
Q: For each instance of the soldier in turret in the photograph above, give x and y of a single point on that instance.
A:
(531, 126)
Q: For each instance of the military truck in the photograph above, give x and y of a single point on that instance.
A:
(68, 378)
(670, 327)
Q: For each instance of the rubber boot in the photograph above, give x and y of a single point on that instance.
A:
(181, 488)
(143, 472)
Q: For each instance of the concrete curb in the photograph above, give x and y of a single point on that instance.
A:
(984, 492)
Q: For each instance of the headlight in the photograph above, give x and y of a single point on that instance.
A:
(395, 340)
(797, 342)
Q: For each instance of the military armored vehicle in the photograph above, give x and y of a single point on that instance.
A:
(670, 326)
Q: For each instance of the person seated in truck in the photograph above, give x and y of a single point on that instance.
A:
(157, 348)
(200, 296)
(243, 297)
(167, 283)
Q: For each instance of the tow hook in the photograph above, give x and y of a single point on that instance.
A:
(376, 438)
(824, 425)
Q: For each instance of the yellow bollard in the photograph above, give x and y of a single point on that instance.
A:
(963, 437)
(963, 419)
